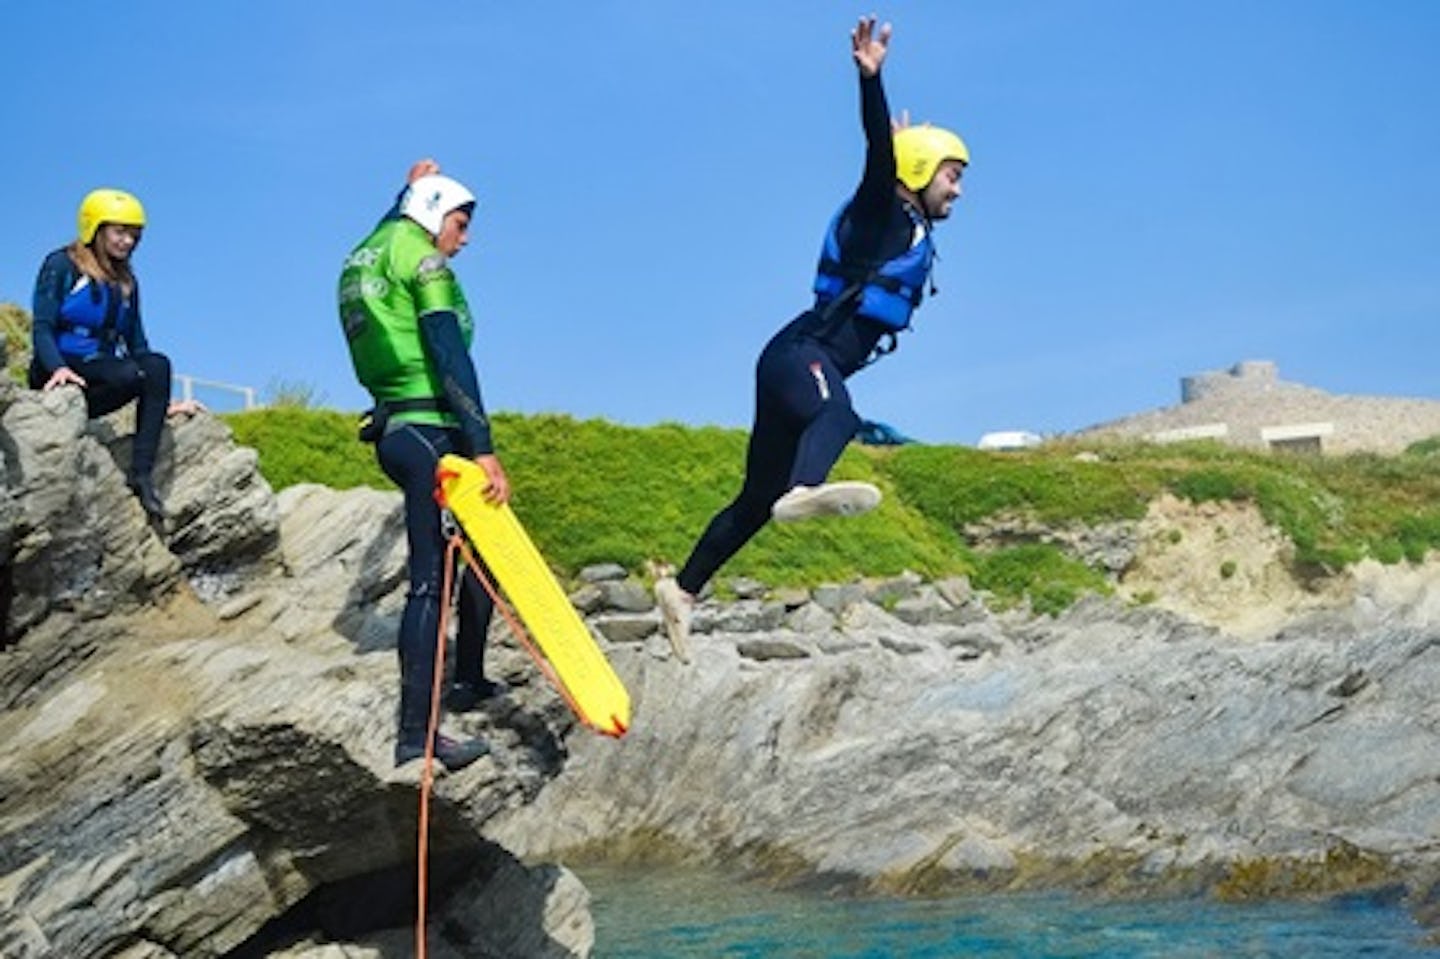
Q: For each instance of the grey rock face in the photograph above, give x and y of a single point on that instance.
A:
(626, 596)
(1108, 546)
(199, 719)
(603, 573)
(198, 722)
(626, 627)
(78, 540)
(1118, 745)
(810, 618)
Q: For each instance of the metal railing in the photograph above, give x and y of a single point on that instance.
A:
(187, 384)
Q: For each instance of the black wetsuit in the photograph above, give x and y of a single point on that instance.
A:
(112, 379)
(803, 415)
(409, 454)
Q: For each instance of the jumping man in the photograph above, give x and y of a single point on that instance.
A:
(874, 265)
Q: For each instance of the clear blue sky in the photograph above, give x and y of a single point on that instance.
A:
(1157, 188)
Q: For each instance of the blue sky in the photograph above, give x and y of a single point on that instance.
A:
(1156, 189)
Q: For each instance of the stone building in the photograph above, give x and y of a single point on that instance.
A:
(1249, 405)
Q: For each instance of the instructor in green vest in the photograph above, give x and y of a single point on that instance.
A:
(409, 331)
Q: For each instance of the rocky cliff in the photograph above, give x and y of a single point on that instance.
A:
(198, 723)
(939, 748)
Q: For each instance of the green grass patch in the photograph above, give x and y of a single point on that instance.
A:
(1051, 580)
(592, 491)
(957, 486)
(300, 445)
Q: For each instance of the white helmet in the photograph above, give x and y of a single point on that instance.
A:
(430, 198)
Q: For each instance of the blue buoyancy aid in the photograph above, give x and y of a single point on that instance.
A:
(887, 293)
(93, 317)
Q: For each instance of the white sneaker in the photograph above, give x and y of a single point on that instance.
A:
(676, 607)
(847, 498)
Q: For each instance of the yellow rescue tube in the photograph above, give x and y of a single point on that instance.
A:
(578, 666)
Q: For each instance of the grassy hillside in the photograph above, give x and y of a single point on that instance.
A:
(593, 491)
(14, 341)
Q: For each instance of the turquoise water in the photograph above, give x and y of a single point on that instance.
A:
(686, 915)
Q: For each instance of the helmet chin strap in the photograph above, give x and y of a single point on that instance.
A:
(915, 201)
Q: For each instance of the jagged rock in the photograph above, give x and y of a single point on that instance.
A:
(746, 588)
(810, 618)
(833, 598)
(973, 641)
(197, 745)
(764, 650)
(886, 592)
(837, 644)
(627, 596)
(749, 616)
(602, 573)
(588, 598)
(250, 769)
(866, 616)
(626, 627)
(792, 597)
(238, 607)
(79, 541)
(706, 614)
(182, 779)
(221, 514)
(923, 606)
(955, 590)
(1108, 546)
(1158, 752)
(905, 646)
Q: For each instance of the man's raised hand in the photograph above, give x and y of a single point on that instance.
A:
(869, 45)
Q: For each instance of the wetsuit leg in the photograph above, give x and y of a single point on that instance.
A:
(150, 412)
(408, 456)
(768, 459)
(476, 609)
(811, 391)
(111, 382)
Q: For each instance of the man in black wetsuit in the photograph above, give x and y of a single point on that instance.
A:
(872, 274)
(409, 330)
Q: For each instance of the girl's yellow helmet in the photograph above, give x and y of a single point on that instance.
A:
(108, 206)
(919, 151)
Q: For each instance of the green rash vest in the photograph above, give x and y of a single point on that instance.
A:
(392, 279)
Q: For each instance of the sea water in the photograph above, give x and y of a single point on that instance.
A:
(666, 914)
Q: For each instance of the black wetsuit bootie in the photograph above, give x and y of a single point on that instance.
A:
(464, 697)
(453, 754)
(144, 490)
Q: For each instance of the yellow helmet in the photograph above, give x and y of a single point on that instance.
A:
(108, 206)
(919, 151)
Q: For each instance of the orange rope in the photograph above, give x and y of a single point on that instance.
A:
(427, 777)
(518, 629)
(457, 543)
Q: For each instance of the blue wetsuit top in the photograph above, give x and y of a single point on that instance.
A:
(77, 318)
